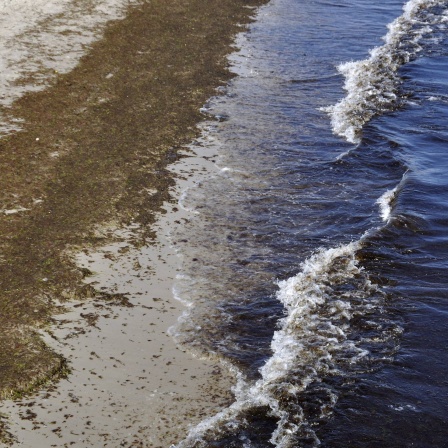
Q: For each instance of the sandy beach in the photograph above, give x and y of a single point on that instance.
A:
(89, 195)
(129, 384)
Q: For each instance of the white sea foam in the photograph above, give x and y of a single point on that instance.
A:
(312, 339)
(371, 83)
(442, 99)
(385, 202)
(41, 38)
(387, 199)
(313, 342)
(306, 326)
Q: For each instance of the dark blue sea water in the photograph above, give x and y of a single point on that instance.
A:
(315, 261)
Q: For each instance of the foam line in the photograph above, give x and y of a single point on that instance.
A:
(371, 84)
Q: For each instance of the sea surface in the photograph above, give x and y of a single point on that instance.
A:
(315, 262)
(315, 256)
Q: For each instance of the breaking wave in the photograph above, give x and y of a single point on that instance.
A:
(372, 83)
(333, 329)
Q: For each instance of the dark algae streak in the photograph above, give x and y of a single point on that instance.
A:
(91, 147)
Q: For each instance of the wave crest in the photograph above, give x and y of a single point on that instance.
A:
(329, 332)
(372, 83)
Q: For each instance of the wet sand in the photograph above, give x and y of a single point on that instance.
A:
(130, 384)
(90, 161)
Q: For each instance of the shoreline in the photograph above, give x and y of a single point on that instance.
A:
(130, 384)
(94, 149)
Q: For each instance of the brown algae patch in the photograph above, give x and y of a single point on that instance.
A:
(130, 384)
(91, 149)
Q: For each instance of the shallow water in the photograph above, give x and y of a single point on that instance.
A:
(314, 258)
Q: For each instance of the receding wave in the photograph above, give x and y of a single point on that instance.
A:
(372, 83)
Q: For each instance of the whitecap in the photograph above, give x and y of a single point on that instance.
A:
(371, 84)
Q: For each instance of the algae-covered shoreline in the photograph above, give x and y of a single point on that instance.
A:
(93, 149)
